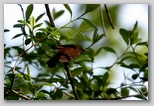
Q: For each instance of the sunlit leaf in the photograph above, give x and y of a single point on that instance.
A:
(32, 22)
(25, 23)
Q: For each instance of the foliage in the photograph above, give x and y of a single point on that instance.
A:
(39, 45)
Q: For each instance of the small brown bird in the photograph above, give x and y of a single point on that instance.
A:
(65, 54)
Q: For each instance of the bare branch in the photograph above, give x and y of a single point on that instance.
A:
(71, 80)
(49, 15)
(109, 16)
(21, 95)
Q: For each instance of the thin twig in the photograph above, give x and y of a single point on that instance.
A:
(21, 95)
(17, 62)
(109, 16)
(22, 11)
(102, 20)
(71, 80)
(49, 15)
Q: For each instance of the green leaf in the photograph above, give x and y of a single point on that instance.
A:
(98, 51)
(25, 23)
(134, 38)
(82, 36)
(91, 7)
(32, 22)
(28, 41)
(27, 77)
(95, 35)
(28, 71)
(133, 65)
(39, 17)
(142, 44)
(68, 8)
(98, 38)
(79, 85)
(90, 23)
(144, 67)
(135, 27)
(18, 35)
(41, 96)
(124, 65)
(40, 35)
(106, 76)
(58, 14)
(58, 94)
(124, 92)
(37, 25)
(110, 91)
(97, 93)
(6, 30)
(17, 25)
(125, 35)
(43, 29)
(29, 12)
(134, 76)
(132, 53)
(109, 49)
(126, 57)
(76, 71)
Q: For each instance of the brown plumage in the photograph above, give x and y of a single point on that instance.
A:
(65, 54)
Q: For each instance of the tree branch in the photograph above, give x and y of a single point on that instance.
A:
(109, 16)
(71, 80)
(49, 15)
(21, 95)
